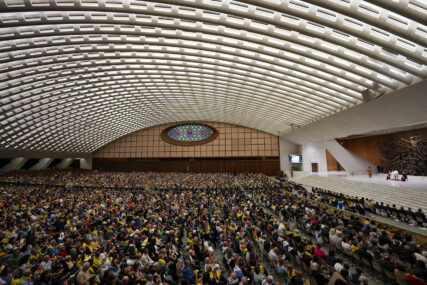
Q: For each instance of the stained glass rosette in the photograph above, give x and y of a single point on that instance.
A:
(190, 133)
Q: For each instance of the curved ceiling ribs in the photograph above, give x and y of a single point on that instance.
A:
(77, 74)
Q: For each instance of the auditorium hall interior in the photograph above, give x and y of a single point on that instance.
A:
(213, 142)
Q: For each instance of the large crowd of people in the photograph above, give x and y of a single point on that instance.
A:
(376, 245)
(362, 206)
(185, 229)
(257, 181)
(140, 180)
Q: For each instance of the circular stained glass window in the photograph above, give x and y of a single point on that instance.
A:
(189, 134)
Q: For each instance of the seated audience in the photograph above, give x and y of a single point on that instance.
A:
(78, 227)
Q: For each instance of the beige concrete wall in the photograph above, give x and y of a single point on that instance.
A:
(232, 141)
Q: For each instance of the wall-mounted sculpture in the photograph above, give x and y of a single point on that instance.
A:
(407, 155)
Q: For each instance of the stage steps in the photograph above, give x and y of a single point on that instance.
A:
(378, 192)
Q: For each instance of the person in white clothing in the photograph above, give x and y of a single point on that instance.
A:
(273, 255)
(338, 266)
(268, 280)
(46, 264)
(345, 245)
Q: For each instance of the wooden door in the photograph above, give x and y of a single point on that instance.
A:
(314, 167)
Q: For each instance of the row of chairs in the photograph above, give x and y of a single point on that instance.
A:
(388, 276)
(376, 269)
(405, 217)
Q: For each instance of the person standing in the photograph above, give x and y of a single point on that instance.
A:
(370, 171)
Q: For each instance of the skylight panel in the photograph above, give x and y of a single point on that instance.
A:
(353, 24)
(270, 58)
(292, 55)
(187, 11)
(24, 31)
(379, 34)
(299, 6)
(418, 5)
(247, 53)
(364, 70)
(89, 3)
(15, 3)
(298, 47)
(189, 24)
(340, 35)
(235, 20)
(163, 8)
(398, 21)
(333, 68)
(264, 13)
(259, 25)
(20, 44)
(397, 71)
(211, 15)
(328, 15)
(54, 16)
(413, 64)
(385, 78)
(406, 45)
(315, 27)
(369, 9)
(142, 19)
(365, 45)
(290, 19)
(271, 50)
(320, 54)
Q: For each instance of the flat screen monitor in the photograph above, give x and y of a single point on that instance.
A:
(295, 158)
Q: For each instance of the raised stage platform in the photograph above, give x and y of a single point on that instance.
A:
(412, 193)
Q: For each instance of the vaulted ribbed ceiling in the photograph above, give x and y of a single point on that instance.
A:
(75, 75)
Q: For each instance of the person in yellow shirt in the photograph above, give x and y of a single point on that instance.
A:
(25, 279)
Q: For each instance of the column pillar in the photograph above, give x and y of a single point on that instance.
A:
(42, 164)
(15, 164)
(64, 163)
(86, 163)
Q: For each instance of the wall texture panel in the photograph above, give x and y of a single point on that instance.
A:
(232, 141)
(267, 166)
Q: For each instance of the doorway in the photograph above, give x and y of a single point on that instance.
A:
(314, 167)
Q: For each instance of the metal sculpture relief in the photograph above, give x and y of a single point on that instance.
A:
(407, 155)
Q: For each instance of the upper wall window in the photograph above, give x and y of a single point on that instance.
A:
(189, 134)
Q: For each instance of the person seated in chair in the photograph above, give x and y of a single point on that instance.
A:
(404, 177)
(401, 273)
(420, 216)
(388, 176)
(355, 277)
(188, 272)
(339, 277)
(410, 213)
